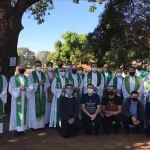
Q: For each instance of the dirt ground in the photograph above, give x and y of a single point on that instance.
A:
(49, 139)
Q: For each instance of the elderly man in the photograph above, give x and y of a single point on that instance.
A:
(58, 89)
(37, 100)
(19, 88)
(3, 99)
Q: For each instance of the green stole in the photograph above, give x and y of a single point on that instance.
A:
(89, 78)
(19, 102)
(144, 74)
(147, 87)
(1, 103)
(56, 71)
(109, 76)
(59, 86)
(83, 75)
(39, 101)
(127, 83)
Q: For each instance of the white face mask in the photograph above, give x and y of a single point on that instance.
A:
(119, 74)
(80, 72)
(38, 68)
(62, 74)
(68, 66)
(49, 68)
(94, 69)
(90, 91)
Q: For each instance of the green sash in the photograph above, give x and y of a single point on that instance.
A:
(1, 103)
(71, 80)
(127, 83)
(144, 74)
(19, 102)
(56, 71)
(59, 86)
(147, 86)
(39, 102)
(83, 75)
(109, 76)
(89, 78)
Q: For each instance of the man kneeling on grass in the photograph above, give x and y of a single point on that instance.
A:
(69, 110)
(90, 104)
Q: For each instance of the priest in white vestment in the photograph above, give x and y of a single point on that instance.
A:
(131, 83)
(96, 78)
(50, 74)
(58, 88)
(68, 67)
(3, 99)
(37, 103)
(20, 89)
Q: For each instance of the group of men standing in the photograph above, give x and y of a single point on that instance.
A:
(36, 99)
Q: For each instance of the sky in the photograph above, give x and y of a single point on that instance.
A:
(66, 16)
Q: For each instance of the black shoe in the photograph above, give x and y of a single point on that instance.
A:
(96, 133)
(15, 133)
(1, 134)
(127, 132)
(32, 130)
(116, 131)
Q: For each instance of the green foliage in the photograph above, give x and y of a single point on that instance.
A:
(73, 48)
(26, 56)
(42, 56)
(50, 57)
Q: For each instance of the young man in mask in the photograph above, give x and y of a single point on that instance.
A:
(96, 78)
(19, 88)
(3, 99)
(50, 74)
(68, 108)
(112, 109)
(117, 83)
(60, 65)
(133, 113)
(68, 67)
(108, 75)
(58, 89)
(131, 83)
(37, 102)
(90, 104)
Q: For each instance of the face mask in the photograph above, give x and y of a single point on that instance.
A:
(90, 91)
(60, 65)
(80, 72)
(38, 68)
(111, 93)
(62, 74)
(119, 74)
(49, 68)
(94, 69)
(139, 68)
(69, 91)
(134, 99)
(74, 71)
(132, 73)
(68, 67)
(21, 71)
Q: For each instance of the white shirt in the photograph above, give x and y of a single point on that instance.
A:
(21, 79)
(75, 77)
(94, 79)
(50, 74)
(106, 76)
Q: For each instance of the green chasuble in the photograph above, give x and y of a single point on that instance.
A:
(144, 74)
(56, 70)
(147, 84)
(1, 103)
(59, 86)
(109, 76)
(89, 78)
(39, 101)
(19, 102)
(83, 75)
(71, 80)
(127, 83)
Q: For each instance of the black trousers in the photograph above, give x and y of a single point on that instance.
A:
(107, 122)
(88, 124)
(67, 130)
(127, 121)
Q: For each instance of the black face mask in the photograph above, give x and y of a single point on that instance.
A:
(134, 99)
(21, 71)
(139, 68)
(74, 71)
(111, 93)
(132, 73)
(60, 65)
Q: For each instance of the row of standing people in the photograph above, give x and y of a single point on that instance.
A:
(35, 98)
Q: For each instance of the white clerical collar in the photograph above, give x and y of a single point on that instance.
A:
(67, 96)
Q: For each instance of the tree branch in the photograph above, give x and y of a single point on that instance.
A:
(22, 5)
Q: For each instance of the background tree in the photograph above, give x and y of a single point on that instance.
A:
(73, 48)
(25, 56)
(50, 57)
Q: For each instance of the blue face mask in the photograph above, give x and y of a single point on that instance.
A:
(69, 91)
